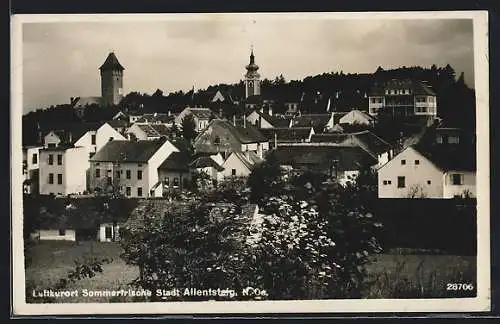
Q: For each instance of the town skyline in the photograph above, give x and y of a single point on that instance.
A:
(207, 52)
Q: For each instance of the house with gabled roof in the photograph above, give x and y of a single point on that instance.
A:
(341, 162)
(201, 116)
(357, 117)
(240, 164)
(174, 173)
(262, 120)
(130, 167)
(211, 165)
(222, 136)
(320, 122)
(429, 171)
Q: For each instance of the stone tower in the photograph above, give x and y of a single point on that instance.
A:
(252, 78)
(111, 81)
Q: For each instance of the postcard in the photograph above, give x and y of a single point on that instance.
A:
(245, 163)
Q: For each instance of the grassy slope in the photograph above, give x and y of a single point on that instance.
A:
(394, 276)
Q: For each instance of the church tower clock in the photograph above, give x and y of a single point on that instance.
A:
(252, 78)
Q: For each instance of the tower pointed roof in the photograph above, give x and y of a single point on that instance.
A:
(252, 66)
(111, 63)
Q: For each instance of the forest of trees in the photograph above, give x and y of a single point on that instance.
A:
(456, 100)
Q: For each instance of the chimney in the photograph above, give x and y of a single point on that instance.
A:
(169, 113)
(261, 109)
(244, 121)
(70, 138)
(234, 120)
(220, 113)
(275, 140)
(270, 110)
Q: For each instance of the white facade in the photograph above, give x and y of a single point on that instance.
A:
(56, 235)
(51, 140)
(138, 133)
(63, 171)
(410, 175)
(135, 179)
(107, 231)
(258, 120)
(31, 164)
(200, 123)
(94, 140)
(238, 165)
(459, 183)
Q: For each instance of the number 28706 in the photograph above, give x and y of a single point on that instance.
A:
(459, 286)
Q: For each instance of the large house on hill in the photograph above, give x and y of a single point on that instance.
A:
(132, 167)
(402, 98)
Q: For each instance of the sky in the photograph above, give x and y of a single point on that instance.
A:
(61, 59)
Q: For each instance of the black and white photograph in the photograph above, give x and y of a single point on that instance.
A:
(250, 162)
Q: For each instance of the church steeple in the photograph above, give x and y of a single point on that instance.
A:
(252, 77)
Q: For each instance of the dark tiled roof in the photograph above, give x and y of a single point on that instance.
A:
(311, 120)
(117, 123)
(275, 120)
(249, 134)
(112, 63)
(449, 157)
(176, 161)
(372, 142)
(287, 134)
(349, 158)
(416, 87)
(128, 151)
(329, 138)
(182, 144)
(202, 113)
(156, 117)
(205, 162)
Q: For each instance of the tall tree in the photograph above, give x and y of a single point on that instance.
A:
(188, 127)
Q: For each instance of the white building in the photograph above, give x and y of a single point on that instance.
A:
(63, 170)
(441, 172)
(130, 167)
(31, 164)
(403, 98)
(240, 164)
(201, 117)
(356, 117)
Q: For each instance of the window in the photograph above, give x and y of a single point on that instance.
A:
(389, 181)
(51, 159)
(176, 181)
(453, 140)
(127, 174)
(456, 179)
(92, 139)
(233, 172)
(166, 181)
(139, 192)
(417, 162)
(51, 145)
(111, 138)
(127, 191)
(59, 178)
(385, 182)
(51, 178)
(439, 139)
(34, 159)
(62, 232)
(97, 173)
(118, 174)
(59, 159)
(403, 162)
(428, 182)
(401, 182)
(139, 174)
(108, 233)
